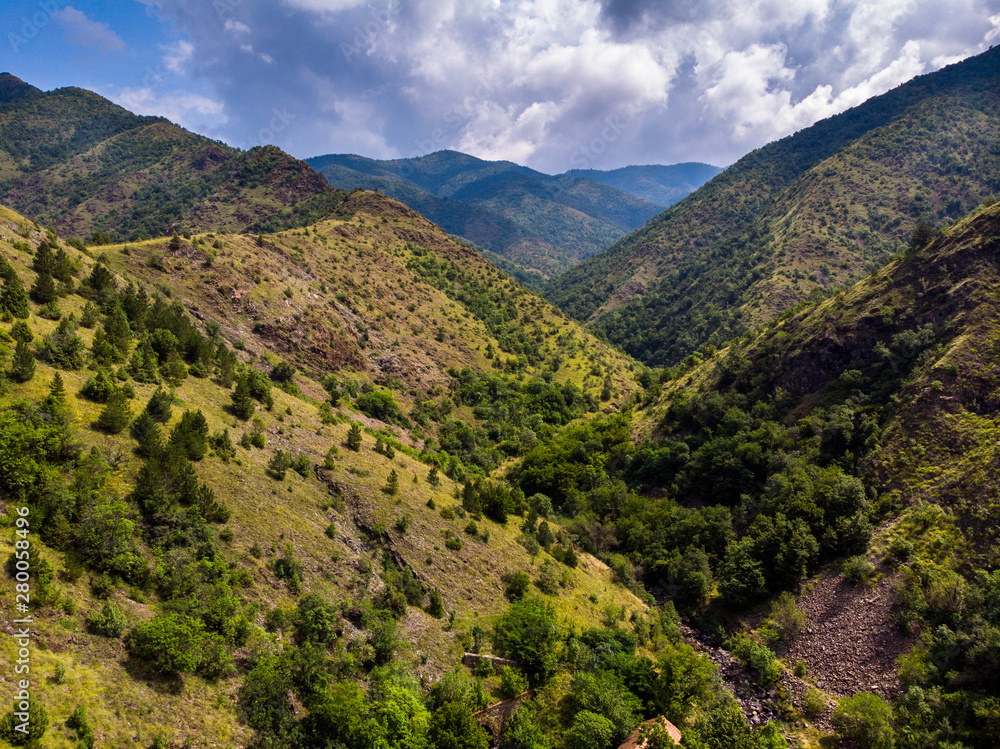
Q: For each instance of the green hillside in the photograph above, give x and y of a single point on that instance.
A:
(802, 215)
(867, 414)
(73, 160)
(538, 221)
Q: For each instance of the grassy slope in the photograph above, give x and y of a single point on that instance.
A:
(814, 209)
(125, 703)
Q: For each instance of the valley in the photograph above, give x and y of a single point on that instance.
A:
(291, 450)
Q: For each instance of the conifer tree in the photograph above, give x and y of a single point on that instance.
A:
(146, 432)
(143, 364)
(432, 476)
(57, 389)
(21, 331)
(44, 262)
(43, 290)
(174, 370)
(392, 483)
(117, 329)
(116, 414)
(23, 367)
(159, 405)
(14, 299)
(354, 437)
(243, 405)
(379, 444)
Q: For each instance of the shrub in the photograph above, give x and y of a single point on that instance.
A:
(858, 569)
(435, 605)
(758, 658)
(865, 719)
(171, 644)
(512, 683)
(382, 406)
(516, 584)
(108, 621)
(527, 633)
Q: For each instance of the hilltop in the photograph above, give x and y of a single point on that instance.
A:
(802, 215)
(542, 222)
(78, 162)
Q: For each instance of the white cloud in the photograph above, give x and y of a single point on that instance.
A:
(237, 27)
(177, 56)
(192, 111)
(539, 80)
(87, 33)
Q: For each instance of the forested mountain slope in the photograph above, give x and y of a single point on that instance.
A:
(536, 220)
(78, 162)
(810, 211)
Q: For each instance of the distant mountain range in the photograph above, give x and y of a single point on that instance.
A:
(548, 223)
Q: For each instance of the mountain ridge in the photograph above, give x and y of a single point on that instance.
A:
(540, 221)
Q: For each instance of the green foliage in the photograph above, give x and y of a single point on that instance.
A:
(382, 406)
(589, 731)
(527, 633)
(354, 437)
(170, 644)
(516, 585)
(63, 348)
(453, 727)
(22, 368)
(108, 621)
(13, 297)
(116, 415)
(725, 727)
(512, 683)
(759, 658)
(865, 719)
(12, 724)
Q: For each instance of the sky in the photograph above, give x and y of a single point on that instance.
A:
(551, 84)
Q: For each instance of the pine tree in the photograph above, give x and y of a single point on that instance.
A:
(379, 444)
(243, 405)
(43, 290)
(116, 414)
(44, 262)
(389, 452)
(88, 318)
(354, 437)
(14, 299)
(57, 388)
(432, 476)
(159, 405)
(146, 432)
(392, 484)
(117, 329)
(174, 371)
(23, 367)
(62, 267)
(21, 331)
(143, 364)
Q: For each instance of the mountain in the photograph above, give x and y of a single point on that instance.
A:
(78, 162)
(663, 185)
(799, 216)
(867, 414)
(192, 475)
(536, 220)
